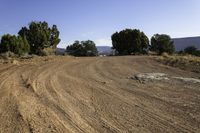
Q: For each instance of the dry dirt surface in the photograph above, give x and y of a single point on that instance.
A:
(75, 95)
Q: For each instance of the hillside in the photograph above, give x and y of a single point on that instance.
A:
(60, 51)
(104, 50)
(182, 43)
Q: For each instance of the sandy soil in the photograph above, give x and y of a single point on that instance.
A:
(67, 94)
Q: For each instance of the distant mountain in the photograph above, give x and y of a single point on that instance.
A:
(60, 51)
(182, 43)
(104, 50)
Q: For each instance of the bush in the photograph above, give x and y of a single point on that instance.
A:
(15, 44)
(162, 43)
(192, 50)
(40, 36)
(7, 55)
(83, 48)
(47, 51)
(197, 53)
(165, 54)
(37, 39)
(130, 41)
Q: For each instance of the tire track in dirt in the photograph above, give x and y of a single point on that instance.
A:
(147, 111)
(94, 95)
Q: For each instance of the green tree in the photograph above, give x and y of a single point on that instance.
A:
(40, 36)
(89, 48)
(15, 44)
(192, 50)
(130, 41)
(76, 49)
(161, 43)
(23, 45)
(83, 48)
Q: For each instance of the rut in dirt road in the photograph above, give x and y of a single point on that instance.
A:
(96, 95)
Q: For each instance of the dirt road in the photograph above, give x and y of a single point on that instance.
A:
(66, 94)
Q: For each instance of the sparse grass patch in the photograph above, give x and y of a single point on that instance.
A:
(187, 62)
(47, 52)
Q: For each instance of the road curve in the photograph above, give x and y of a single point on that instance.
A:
(89, 95)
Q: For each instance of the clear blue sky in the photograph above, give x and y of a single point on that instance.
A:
(99, 19)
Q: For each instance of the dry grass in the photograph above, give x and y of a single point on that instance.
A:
(186, 62)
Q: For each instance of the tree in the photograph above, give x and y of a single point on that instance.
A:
(192, 50)
(83, 48)
(89, 48)
(15, 44)
(23, 46)
(161, 43)
(40, 36)
(76, 49)
(130, 41)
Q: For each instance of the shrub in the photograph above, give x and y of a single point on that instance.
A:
(7, 55)
(16, 44)
(47, 51)
(37, 39)
(130, 41)
(40, 36)
(165, 54)
(83, 48)
(192, 50)
(162, 43)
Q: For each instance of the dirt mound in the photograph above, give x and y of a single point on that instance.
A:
(67, 94)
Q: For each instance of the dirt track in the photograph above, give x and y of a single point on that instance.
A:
(69, 94)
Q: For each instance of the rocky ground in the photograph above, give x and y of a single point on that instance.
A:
(108, 94)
